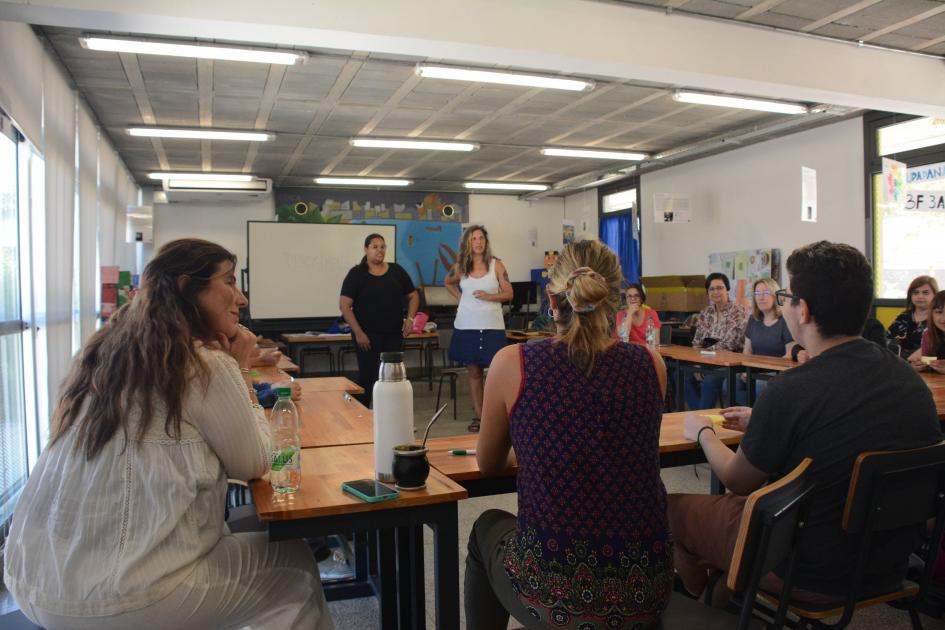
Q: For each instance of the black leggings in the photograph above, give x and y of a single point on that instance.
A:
(369, 362)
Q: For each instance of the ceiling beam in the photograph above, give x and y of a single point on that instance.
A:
(838, 15)
(903, 23)
(609, 118)
(266, 103)
(129, 64)
(759, 8)
(205, 108)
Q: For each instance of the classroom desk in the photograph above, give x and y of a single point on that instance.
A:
(320, 508)
(755, 362)
(286, 365)
(297, 343)
(328, 418)
(675, 450)
(329, 384)
(719, 358)
(526, 335)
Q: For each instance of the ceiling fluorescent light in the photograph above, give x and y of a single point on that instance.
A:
(360, 181)
(200, 134)
(197, 51)
(427, 145)
(504, 78)
(738, 102)
(593, 154)
(503, 186)
(218, 177)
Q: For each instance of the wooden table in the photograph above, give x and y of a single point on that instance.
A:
(298, 342)
(320, 508)
(286, 365)
(731, 361)
(332, 418)
(675, 450)
(526, 335)
(329, 384)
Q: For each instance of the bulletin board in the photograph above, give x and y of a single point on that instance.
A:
(744, 267)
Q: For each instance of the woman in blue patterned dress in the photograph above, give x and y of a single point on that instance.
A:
(590, 547)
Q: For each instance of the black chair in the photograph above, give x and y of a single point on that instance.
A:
(889, 490)
(452, 372)
(342, 355)
(314, 352)
(771, 519)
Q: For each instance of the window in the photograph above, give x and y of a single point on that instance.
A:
(620, 227)
(14, 462)
(905, 243)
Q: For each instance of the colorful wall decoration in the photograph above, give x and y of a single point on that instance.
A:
(744, 267)
(429, 225)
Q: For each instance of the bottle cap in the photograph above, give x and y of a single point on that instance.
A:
(392, 357)
(284, 392)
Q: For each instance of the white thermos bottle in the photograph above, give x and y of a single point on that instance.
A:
(393, 413)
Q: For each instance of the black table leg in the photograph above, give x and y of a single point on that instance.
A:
(715, 484)
(387, 578)
(680, 396)
(446, 569)
(410, 580)
(732, 375)
(749, 382)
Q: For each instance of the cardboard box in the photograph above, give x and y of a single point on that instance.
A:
(676, 293)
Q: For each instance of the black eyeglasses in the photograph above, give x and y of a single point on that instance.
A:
(783, 296)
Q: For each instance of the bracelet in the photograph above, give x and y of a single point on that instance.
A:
(410, 318)
(244, 370)
(699, 434)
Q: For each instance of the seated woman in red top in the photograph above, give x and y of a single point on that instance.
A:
(590, 546)
(632, 322)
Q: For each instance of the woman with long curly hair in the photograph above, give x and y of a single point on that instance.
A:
(121, 522)
(480, 282)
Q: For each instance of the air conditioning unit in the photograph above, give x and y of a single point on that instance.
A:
(207, 191)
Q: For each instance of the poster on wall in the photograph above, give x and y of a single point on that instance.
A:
(925, 200)
(429, 225)
(893, 183)
(567, 232)
(808, 195)
(671, 208)
(744, 267)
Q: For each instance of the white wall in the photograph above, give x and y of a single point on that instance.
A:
(582, 209)
(751, 198)
(222, 224)
(509, 222)
(507, 219)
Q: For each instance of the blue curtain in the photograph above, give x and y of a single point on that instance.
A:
(618, 233)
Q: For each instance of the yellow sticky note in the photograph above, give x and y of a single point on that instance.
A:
(716, 418)
(928, 360)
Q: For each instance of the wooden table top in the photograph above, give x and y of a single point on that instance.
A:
(465, 467)
(694, 355)
(768, 363)
(329, 384)
(271, 374)
(290, 339)
(286, 365)
(525, 335)
(320, 494)
(327, 418)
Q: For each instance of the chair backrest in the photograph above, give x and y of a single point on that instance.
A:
(895, 489)
(666, 334)
(770, 516)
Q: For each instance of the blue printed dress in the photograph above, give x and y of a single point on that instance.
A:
(593, 548)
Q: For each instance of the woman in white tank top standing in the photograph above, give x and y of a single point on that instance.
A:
(481, 283)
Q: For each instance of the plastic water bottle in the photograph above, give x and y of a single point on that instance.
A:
(285, 471)
(651, 335)
(624, 331)
(393, 413)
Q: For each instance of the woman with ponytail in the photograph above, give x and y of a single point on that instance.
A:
(582, 411)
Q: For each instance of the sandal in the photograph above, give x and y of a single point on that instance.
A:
(473, 426)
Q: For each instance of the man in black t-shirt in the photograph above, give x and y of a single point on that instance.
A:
(851, 396)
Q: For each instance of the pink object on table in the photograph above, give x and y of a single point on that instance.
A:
(419, 321)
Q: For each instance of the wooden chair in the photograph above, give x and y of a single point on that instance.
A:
(889, 490)
(771, 519)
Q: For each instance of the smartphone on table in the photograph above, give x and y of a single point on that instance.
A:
(369, 490)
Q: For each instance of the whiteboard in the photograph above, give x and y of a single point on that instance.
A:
(296, 269)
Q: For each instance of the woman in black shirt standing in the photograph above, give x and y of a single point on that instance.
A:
(372, 302)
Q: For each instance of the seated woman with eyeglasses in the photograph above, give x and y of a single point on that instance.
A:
(766, 333)
(632, 322)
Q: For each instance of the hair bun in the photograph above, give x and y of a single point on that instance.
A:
(586, 289)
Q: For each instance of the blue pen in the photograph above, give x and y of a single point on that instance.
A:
(462, 451)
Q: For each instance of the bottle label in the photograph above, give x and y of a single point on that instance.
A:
(281, 459)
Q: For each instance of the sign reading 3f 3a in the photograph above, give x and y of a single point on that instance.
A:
(926, 200)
